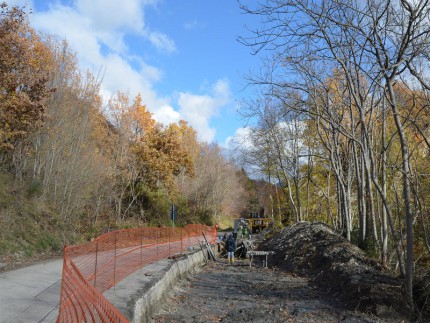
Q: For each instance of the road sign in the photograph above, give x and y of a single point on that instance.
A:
(173, 212)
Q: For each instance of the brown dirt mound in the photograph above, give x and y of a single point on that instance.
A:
(422, 293)
(342, 269)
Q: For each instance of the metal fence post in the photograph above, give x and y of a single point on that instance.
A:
(141, 248)
(188, 235)
(169, 240)
(114, 264)
(95, 268)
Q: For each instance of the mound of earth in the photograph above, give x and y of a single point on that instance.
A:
(422, 293)
(342, 269)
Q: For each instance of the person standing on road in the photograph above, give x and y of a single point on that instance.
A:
(230, 246)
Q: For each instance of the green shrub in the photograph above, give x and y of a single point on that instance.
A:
(35, 188)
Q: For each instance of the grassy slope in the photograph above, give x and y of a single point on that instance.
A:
(27, 226)
(30, 230)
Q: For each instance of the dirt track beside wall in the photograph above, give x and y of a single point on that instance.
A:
(221, 292)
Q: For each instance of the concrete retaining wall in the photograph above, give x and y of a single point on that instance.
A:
(179, 268)
(140, 294)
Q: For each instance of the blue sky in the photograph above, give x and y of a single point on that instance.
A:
(181, 55)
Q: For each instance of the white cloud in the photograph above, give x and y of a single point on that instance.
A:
(87, 27)
(166, 115)
(162, 41)
(241, 139)
(222, 90)
(109, 15)
(111, 21)
(199, 109)
(96, 31)
(75, 28)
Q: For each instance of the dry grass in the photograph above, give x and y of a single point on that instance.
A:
(28, 226)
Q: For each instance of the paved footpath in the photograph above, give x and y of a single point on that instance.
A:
(31, 294)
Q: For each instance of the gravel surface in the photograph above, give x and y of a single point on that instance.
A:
(222, 292)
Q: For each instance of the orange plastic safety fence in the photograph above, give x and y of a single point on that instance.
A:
(92, 268)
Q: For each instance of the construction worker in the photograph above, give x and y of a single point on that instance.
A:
(230, 246)
(245, 232)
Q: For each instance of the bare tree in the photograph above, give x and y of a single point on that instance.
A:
(216, 186)
(373, 44)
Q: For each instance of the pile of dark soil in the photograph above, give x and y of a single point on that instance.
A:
(340, 268)
(422, 293)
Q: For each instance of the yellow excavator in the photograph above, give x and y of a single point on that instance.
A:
(254, 222)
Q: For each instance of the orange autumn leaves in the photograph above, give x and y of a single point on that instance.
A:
(24, 71)
(41, 90)
(158, 153)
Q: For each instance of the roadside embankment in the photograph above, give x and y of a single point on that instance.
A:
(342, 270)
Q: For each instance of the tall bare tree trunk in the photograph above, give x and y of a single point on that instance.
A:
(384, 253)
(406, 193)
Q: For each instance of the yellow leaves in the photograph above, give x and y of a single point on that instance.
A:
(157, 153)
(132, 120)
(141, 119)
(147, 151)
(23, 77)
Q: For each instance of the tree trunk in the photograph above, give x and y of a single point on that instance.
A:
(384, 253)
(406, 194)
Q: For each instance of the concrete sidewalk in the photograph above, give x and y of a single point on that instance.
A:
(31, 294)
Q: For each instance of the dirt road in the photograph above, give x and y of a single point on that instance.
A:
(221, 292)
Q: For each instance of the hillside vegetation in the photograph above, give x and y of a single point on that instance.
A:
(28, 227)
(73, 167)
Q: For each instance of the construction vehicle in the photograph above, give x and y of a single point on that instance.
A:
(254, 222)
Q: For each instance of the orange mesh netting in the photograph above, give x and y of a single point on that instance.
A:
(92, 268)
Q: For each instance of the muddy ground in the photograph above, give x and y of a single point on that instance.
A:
(222, 292)
(315, 275)
(344, 272)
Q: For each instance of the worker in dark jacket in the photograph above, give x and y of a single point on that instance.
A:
(230, 246)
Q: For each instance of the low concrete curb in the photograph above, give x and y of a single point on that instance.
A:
(145, 306)
(140, 294)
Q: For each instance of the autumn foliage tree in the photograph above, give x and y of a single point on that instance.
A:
(24, 73)
(96, 164)
(148, 155)
(163, 155)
